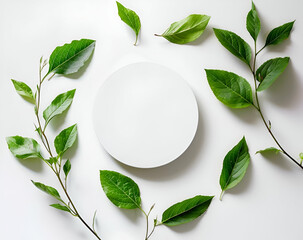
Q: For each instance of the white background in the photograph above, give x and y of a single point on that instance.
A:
(267, 204)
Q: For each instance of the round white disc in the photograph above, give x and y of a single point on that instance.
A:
(145, 115)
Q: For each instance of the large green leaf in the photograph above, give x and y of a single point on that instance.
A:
(23, 147)
(253, 24)
(120, 190)
(279, 34)
(235, 44)
(130, 18)
(47, 189)
(235, 165)
(65, 139)
(187, 29)
(70, 57)
(186, 211)
(270, 71)
(58, 105)
(229, 88)
(24, 91)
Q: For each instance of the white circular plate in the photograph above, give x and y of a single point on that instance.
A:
(145, 115)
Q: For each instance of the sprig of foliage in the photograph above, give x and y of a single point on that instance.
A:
(235, 91)
(123, 192)
(66, 59)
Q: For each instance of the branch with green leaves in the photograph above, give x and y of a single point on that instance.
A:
(234, 90)
(66, 59)
(123, 192)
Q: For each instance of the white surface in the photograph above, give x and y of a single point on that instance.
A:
(145, 115)
(266, 205)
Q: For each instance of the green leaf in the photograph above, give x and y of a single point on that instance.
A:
(279, 34)
(235, 44)
(253, 24)
(234, 166)
(66, 168)
(229, 88)
(65, 139)
(60, 207)
(270, 71)
(130, 18)
(52, 160)
(70, 57)
(120, 190)
(301, 156)
(24, 91)
(47, 189)
(186, 211)
(58, 105)
(23, 147)
(269, 150)
(187, 29)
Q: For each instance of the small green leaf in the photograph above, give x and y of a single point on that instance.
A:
(66, 168)
(47, 189)
(279, 34)
(70, 57)
(253, 24)
(235, 44)
(234, 166)
(301, 155)
(120, 190)
(60, 207)
(229, 88)
(52, 160)
(58, 105)
(65, 139)
(23, 147)
(186, 211)
(270, 150)
(130, 18)
(24, 91)
(187, 29)
(268, 73)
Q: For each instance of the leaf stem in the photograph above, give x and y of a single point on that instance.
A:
(135, 44)
(148, 235)
(261, 113)
(221, 195)
(158, 35)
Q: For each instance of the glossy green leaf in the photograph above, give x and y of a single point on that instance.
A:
(130, 18)
(67, 167)
(269, 150)
(47, 189)
(24, 91)
(279, 34)
(253, 24)
(186, 211)
(235, 44)
(187, 29)
(66, 139)
(120, 190)
(70, 57)
(60, 207)
(58, 105)
(270, 71)
(229, 88)
(23, 147)
(235, 165)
